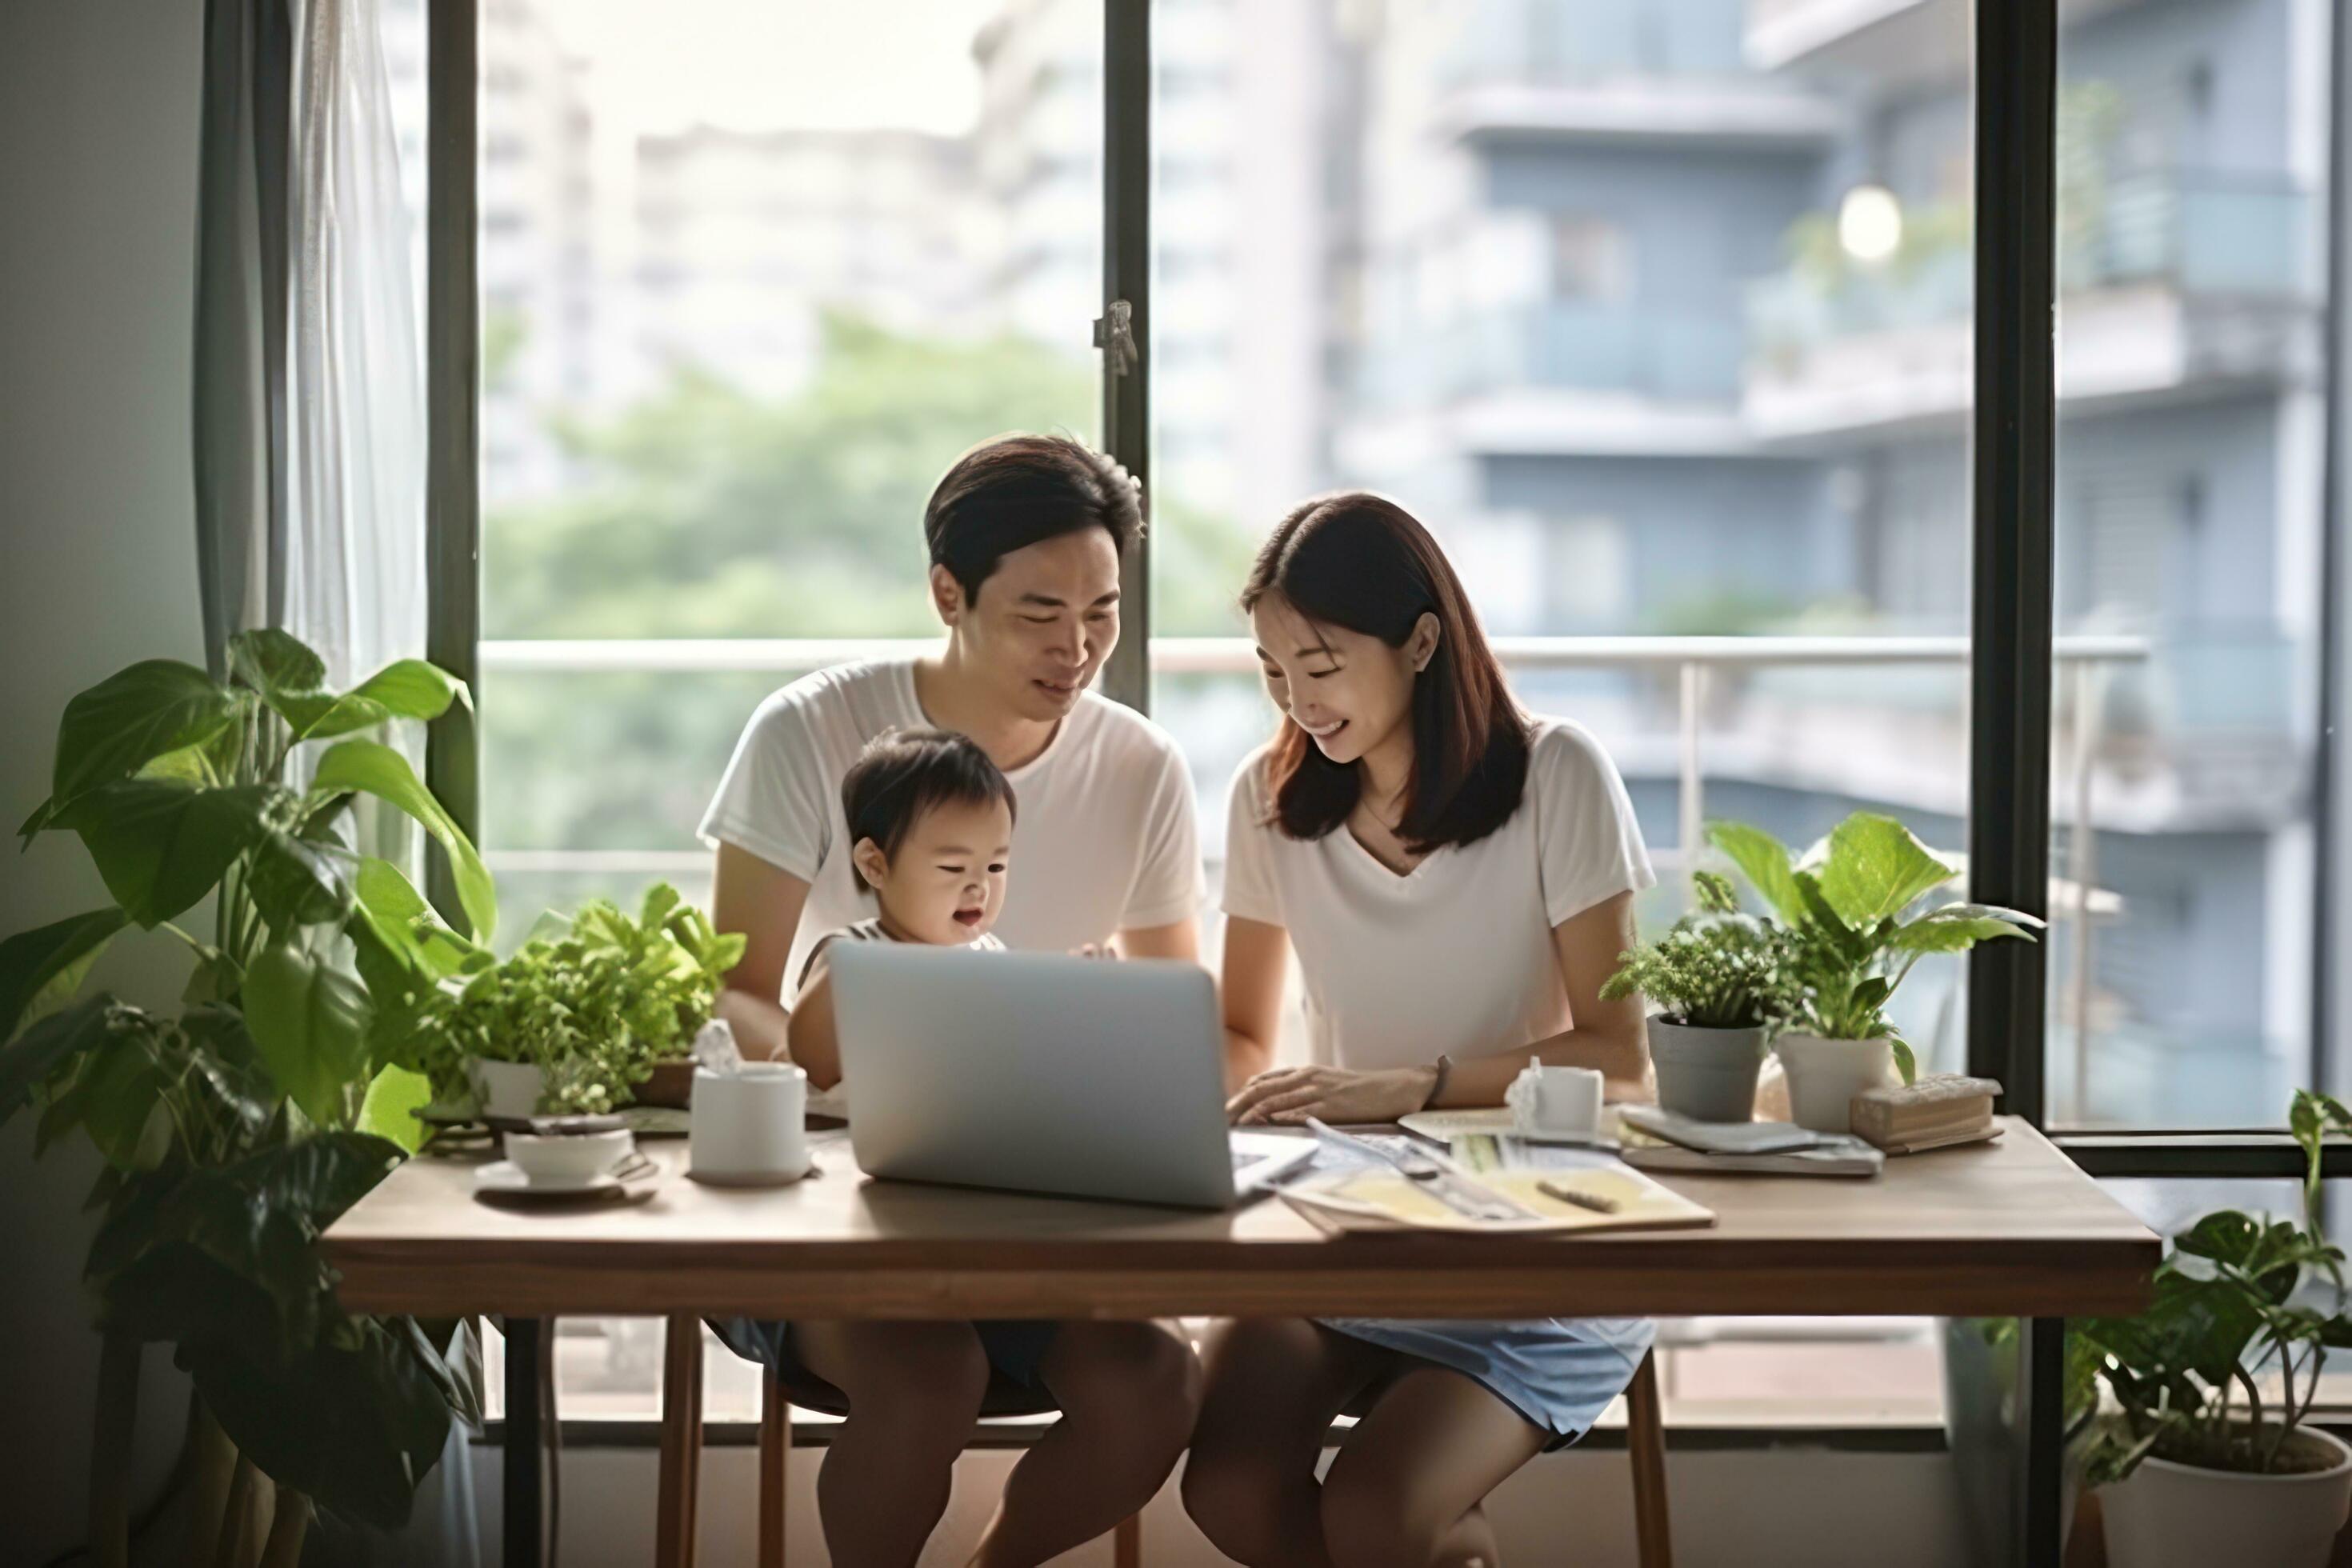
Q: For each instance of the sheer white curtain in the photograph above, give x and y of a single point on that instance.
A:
(354, 540)
(310, 426)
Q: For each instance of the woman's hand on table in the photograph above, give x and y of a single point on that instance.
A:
(1330, 1094)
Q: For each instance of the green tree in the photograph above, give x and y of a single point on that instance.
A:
(706, 511)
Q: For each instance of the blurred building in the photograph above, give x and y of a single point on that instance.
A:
(1669, 319)
(744, 240)
(1242, 134)
(538, 254)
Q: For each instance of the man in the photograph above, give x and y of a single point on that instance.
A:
(1025, 534)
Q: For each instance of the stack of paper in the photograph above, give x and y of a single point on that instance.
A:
(1659, 1140)
(1592, 1194)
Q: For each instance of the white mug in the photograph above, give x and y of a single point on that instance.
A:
(745, 1129)
(1555, 1103)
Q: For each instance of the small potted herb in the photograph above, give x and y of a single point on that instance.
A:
(1850, 946)
(577, 1017)
(1713, 979)
(2207, 1455)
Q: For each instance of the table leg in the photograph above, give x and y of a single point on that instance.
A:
(521, 1498)
(2042, 1423)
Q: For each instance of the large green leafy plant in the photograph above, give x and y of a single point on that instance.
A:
(1848, 907)
(594, 1004)
(2238, 1298)
(1717, 968)
(235, 1131)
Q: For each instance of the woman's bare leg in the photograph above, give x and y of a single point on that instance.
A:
(1434, 1443)
(914, 1391)
(1129, 1393)
(1470, 1544)
(1274, 1386)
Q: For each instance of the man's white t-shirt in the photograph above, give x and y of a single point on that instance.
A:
(1103, 840)
(1456, 956)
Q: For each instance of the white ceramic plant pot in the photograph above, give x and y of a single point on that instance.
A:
(2167, 1515)
(1825, 1074)
(507, 1088)
(1708, 1075)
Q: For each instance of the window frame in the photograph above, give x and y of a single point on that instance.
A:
(2011, 458)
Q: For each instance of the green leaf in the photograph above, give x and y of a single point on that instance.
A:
(40, 970)
(161, 846)
(323, 715)
(271, 660)
(129, 720)
(310, 1024)
(120, 1099)
(1904, 1062)
(378, 770)
(226, 1254)
(305, 879)
(414, 689)
(405, 688)
(393, 1098)
(408, 926)
(1764, 860)
(354, 1426)
(1821, 918)
(1877, 868)
(1941, 933)
(32, 1056)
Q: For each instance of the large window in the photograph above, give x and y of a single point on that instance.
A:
(750, 275)
(1659, 312)
(1594, 293)
(2192, 173)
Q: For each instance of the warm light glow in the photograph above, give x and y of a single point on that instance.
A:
(1870, 222)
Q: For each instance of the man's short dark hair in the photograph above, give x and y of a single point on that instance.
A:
(903, 775)
(1018, 491)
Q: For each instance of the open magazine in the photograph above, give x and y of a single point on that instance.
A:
(1386, 1183)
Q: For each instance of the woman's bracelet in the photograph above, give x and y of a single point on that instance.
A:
(1437, 1084)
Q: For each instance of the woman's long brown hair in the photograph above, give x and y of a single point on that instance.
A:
(1361, 562)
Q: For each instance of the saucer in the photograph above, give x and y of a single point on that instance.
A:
(506, 1178)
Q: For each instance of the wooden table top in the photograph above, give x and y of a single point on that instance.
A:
(2009, 1227)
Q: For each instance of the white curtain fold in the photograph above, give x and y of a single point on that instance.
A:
(310, 430)
(354, 542)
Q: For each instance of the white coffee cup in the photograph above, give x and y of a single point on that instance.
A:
(568, 1158)
(745, 1129)
(1555, 1103)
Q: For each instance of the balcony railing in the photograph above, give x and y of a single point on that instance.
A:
(1555, 42)
(2205, 235)
(1692, 662)
(1570, 345)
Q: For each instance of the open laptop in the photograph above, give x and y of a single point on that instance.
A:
(1044, 1073)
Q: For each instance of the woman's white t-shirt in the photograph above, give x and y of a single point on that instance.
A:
(1103, 841)
(1456, 956)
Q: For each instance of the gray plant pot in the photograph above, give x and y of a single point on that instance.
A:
(1708, 1075)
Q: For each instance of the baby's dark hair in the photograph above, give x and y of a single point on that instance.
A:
(903, 775)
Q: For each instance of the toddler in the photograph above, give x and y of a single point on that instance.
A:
(931, 832)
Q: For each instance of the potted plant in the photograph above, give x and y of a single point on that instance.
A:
(577, 1017)
(1713, 978)
(235, 1131)
(2204, 1459)
(1850, 947)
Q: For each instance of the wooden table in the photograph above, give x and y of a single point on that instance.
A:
(2006, 1229)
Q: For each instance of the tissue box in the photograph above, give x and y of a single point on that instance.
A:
(1942, 1108)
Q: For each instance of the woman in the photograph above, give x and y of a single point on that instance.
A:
(1024, 535)
(1457, 879)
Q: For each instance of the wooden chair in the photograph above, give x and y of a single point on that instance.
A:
(1645, 1445)
(681, 1450)
(681, 1456)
